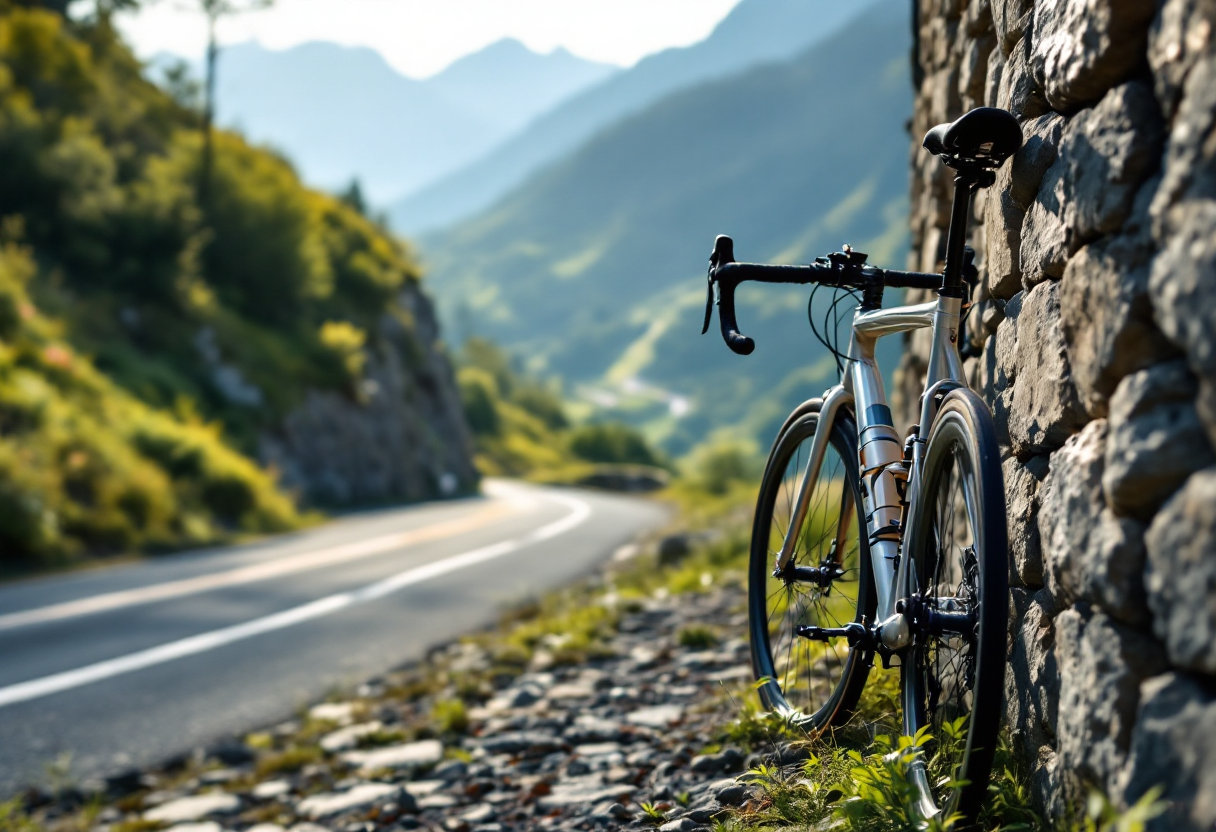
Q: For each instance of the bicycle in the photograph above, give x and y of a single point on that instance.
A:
(876, 546)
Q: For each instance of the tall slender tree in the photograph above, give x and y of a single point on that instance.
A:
(214, 11)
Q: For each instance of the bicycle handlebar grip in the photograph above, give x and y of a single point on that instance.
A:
(739, 343)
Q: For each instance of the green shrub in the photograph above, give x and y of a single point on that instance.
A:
(611, 443)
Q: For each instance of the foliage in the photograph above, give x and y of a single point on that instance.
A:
(611, 443)
(520, 425)
(450, 716)
(697, 637)
(147, 338)
(85, 467)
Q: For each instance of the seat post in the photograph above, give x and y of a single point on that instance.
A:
(965, 185)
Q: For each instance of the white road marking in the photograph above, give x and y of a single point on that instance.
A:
(201, 643)
(286, 565)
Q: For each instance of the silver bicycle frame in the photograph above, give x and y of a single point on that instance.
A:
(880, 447)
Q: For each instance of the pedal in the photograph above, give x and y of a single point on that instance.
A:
(856, 634)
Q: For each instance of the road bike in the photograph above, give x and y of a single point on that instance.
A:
(867, 544)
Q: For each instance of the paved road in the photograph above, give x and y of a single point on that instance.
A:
(130, 665)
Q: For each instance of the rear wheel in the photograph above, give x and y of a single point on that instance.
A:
(953, 674)
(815, 682)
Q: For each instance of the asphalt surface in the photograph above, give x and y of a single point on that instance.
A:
(131, 665)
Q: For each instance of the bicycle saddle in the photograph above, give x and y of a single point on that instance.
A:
(985, 136)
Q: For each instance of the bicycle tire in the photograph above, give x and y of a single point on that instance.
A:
(961, 477)
(829, 699)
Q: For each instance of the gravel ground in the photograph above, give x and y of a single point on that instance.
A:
(580, 746)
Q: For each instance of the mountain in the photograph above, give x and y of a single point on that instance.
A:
(507, 84)
(755, 32)
(343, 112)
(593, 270)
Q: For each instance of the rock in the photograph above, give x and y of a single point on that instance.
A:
(1174, 745)
(1045, 244)
(674, 548)
(403, 438)
(729, 759)
(580, 791)
(1110, 151)
(656, 716)
(410, 755)
(679, 825)
(729, 793)
(450, 770)
(522, 742)
(1010, 20)
(1082, 48)
(266, 827)
(1022, 505)
(1107, 317)
(1184, 298)
(205, 826)
(1032, 681)
(342, 713)
(347, 738)
(1015, 190)
(1020, 92)
(481, 813)
(577, 690)
(1156, 439)
(1180, 34)
(1113, 574)
(592, 729)
(1070, 505)
(1181, 574)
(361, 796)
(231, 753)
(1046, 408)
(194, 807)
(973, 72)
(271, 789)
(1101, 667)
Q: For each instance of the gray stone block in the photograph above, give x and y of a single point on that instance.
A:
(1046, 407)
(1174, 746)
(1181, 574)
(1082, 48)
(1156, 439)
(1107, 317)
(1070, 508)
(1102, 664)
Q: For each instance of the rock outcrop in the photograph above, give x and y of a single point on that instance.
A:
(400, 436)
(1095, 328)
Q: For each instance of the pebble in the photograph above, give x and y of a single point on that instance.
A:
(344, 739)
(271, 789)
(200, 826)
(327, 804)
(342, 713)
(195, 807)
(410, 755)
(657, 716)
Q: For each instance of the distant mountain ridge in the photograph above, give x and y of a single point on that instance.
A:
(343, 112)
(593, 269)
(755, 32)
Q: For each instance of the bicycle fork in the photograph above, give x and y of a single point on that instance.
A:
(884, 479)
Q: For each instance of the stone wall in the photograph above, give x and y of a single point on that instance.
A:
(401, 436)
(1094, 333)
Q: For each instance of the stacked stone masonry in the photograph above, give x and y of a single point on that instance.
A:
(1092, 336)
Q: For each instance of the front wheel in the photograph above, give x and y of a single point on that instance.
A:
(827, 583)
(953, 674)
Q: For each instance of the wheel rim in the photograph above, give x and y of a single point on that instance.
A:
(810, 680)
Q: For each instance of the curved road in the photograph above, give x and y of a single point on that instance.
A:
(129, 665)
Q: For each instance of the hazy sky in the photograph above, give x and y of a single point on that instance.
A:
(421, 37)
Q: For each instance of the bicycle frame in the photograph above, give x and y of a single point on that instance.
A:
(887, 483)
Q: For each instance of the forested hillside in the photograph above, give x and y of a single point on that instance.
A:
(593, 270)
(159, 327)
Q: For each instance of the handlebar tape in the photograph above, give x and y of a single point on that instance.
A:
(739, 343)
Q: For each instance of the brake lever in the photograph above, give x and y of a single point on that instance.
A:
(723, 253)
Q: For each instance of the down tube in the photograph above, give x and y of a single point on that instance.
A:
(832, 400)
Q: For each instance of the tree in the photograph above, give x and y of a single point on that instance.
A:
(214, 10)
